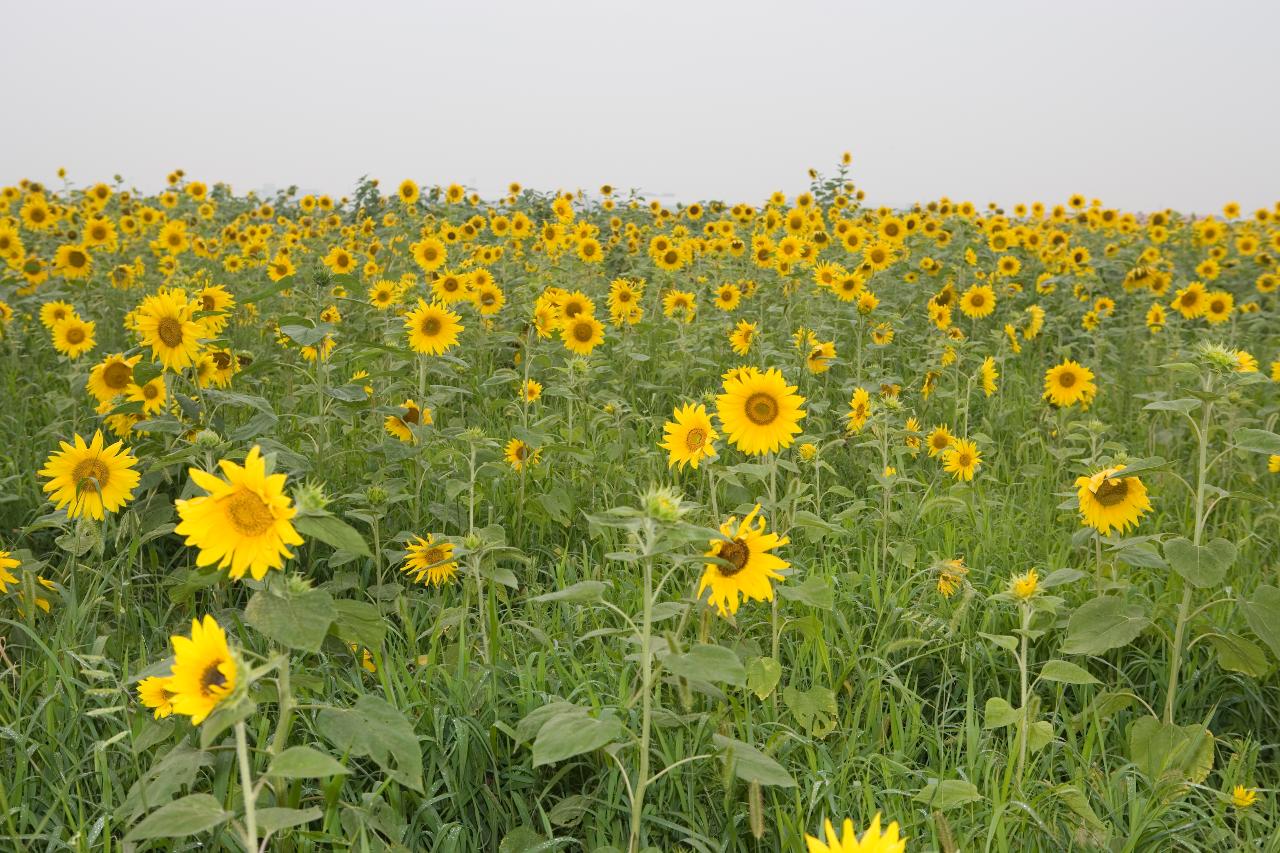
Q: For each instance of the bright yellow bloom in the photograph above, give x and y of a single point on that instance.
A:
(90, 479)
(751, 568)
(1108, 501)
(690, 438)
(204, 672)
(872, 841)
(759, 411)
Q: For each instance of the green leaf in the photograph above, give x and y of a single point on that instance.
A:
(303, 762)
(763, 674)
(522, 839)
(1185, 406)
(1169, 751)
(1040, 735)
(1075, 800)
(568, 734)
(815, 592)
(706, 662)
(1066, 673)
(947, 794)
(298, 621)
(1237, 654)
(1262, 612)
(529, 726)
(1004, 641)
(272, 820)
(332, 531)
(1258, 441)
(1103, 623)
(751, 765)
(1143, 555)
(998, 713)
(1200, 565)
(180, 818)
(582, 592)
(374, 728)
(815, 709)
(359, 622)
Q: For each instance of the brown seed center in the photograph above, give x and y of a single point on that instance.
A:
(249, 514)
(169, 330)
(91, 474)
(761, 409)
(736, 553)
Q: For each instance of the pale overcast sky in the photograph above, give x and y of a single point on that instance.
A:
(1144, 104)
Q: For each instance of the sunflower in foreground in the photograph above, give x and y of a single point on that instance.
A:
(90, 479)
(872, 841)
(582, 334)
(401, 425)
(962, 459)
(164, 320)
(1069, 383)
(204, 672)
(243, 522)
(750, 567)
(759, 411)
(430, 562)
(690, 437)
(1108, 501)
(520, 455)
(432, 329)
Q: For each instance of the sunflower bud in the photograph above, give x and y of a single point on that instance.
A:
(310, 497)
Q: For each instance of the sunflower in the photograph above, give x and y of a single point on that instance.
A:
(154, 693)
(742, 336)
(820, 357)
(401, 425)
(90, 479)
(430, 253)
(573, 304)
(432, 328)
(73, 337)
(408, 191)
(1108, 501)
(748, 568)
(112, 377)
(243, 522)
(759, 411)
(859, 410)
(1191, 301)
(204, 672)
(430, 562)
(872, 841)
(531, 391)
(1069, 383)
(978, 301)
(382, 295)
(488, 298)
(520, 455)
(989, 375)
(7, 562)
(151, 395)
(728, 297)
(582, 334)
(164, 320)
(450, 287)
(73, 262)
(281, 267)
(1218, 307)
(961, 458)
(690, 438)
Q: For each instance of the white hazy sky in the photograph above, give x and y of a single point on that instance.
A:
(1144, 104)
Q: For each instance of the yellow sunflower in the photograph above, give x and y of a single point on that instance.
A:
(74, 337)
(1069, 383)
(1108, 501)
(690, 437)
(154, 693)
(73, 262)
(531, 391)
(112, 377)
(742, 336)
(759, 411)
(7, 562)
(164, 320)
(989, 375)
(204, 671)
(152, 395)
(750, 568)
(872, 841)
(90, 479)
(401, 425)
(520, 455)
(961, 458)
(430, 562)
(978, 301)
(432, 328)
(243, 522)
(430, 253)
(582, 334)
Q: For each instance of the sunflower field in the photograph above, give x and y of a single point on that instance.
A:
(415, 520)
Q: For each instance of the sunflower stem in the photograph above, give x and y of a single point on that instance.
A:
(246, 786)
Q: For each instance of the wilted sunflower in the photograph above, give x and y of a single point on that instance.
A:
(432, 328)
(751, 568)
(243, 522)
(759, 411)
(90, 479)
(164, 320)
(1108, 501)
(961, 458)
(73, 337)
(690, 437)
(582, 334)
(951, 575)
(1069, 383)
(520, 455)
(401, 425)
(204, 672)
(430, 562)
(872, 841)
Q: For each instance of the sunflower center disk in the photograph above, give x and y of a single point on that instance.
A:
(431, 327)
(583, 332)
(737, 553)
(91, 474)
(250, 515)
(695, 439)
(117, 376)
(1066, 379)
(170, 331)
(212, 677)
(1112, 492)
(761, 408)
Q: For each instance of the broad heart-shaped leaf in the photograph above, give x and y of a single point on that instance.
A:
(763, 674)
(1262, 612)
(580, 592)
(303, 762)
(815, 709)
(1066, 673)
(1039, 735)
(1103, 623)
(998, 714)
(1237, 654)
(1200, 565)
(376, 729)
(275, 819)
(180, 818)
(1258, 441)
(947, 794)
(1185, 406)
(706, 662)
(751, 765)
(529, 726)
(359, 622)
(815, 592)
(1170, 752)
(572, 733)
(296, 620)
(332, 530)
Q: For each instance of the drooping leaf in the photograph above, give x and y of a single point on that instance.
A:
(710, 663)
(751, 765)
(1103, 623)
(998, 713)
(569, 734)
(180, 818)
(763, 674)
(1066, 673)
(333, 531)
(374, 728)
(303, 762)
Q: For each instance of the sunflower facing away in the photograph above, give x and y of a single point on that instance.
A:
(432, 329)
(750, 568)
(1108, 501)
(1069, 383)
(164, 320)
(243, 522)
(690, 437)
(204, 672)
(759, 411)
(430, 562)
(872, 841)
(90, 479)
